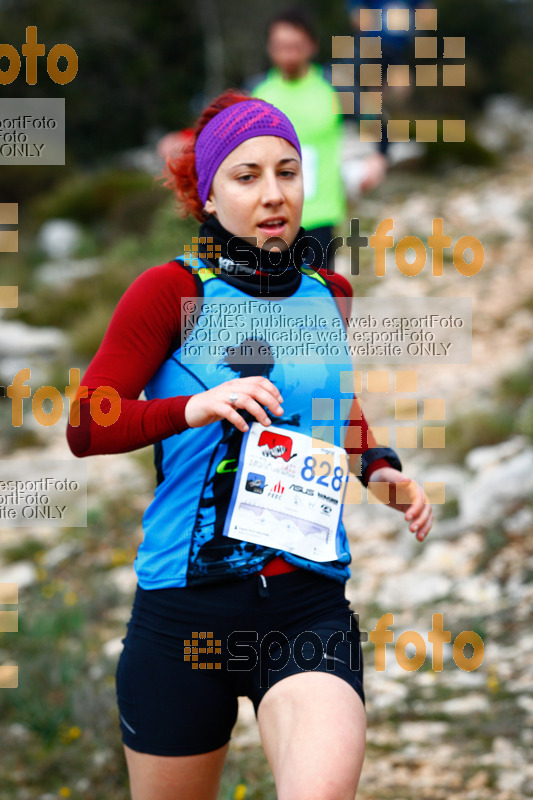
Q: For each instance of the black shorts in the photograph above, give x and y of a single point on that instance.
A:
(190, 652)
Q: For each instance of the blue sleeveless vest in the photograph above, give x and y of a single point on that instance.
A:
(298, 343)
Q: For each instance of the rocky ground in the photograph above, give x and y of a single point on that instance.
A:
(454, 732)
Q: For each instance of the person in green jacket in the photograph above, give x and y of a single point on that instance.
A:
(298, 87)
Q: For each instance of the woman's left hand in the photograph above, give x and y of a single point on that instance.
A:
(417, 509)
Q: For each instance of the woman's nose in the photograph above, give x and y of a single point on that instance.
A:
(272, 191)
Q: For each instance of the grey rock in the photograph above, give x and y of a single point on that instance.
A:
(469, 704)
(23, 572)
(510, 780)
(478, 590)
(449, 529)
(124, 579)
(65, 272)
(385, 693)
(113, 648)
(454, 558)
(26, 340)
(422, 732)
(519, 523)
(59, 238)
(61, 552)
(482, 458)
(484, 499)
(453, 476)
(19, 732)
(505, 122)
(404, 590)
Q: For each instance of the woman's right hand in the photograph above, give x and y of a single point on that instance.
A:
(252, 394)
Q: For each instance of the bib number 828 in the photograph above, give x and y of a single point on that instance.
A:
(308, 473)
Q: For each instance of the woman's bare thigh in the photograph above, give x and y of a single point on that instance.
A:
(313, 728)
(175, 777)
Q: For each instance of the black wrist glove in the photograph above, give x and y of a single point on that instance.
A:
(373, 454)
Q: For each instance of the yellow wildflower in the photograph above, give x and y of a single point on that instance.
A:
(69, 734)
(70, 598)
(493, 684)
(119, 557)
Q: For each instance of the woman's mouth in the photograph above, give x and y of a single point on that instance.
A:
(275, 226)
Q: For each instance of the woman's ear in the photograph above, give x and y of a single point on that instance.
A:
(209, 206)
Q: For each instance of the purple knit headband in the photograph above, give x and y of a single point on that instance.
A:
(230, 128)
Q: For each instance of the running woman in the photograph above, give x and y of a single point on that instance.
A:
(242, 569)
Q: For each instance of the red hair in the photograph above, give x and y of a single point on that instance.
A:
(179, 173)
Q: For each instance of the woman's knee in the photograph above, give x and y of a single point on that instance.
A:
(332, 790)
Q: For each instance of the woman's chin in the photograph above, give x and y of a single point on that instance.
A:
(274, 244)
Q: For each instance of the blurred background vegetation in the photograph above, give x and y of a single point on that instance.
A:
(145, 69)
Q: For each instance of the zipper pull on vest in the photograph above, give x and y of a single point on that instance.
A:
(262, 586)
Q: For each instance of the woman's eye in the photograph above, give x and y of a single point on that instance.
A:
(288, 173)
(245, 178)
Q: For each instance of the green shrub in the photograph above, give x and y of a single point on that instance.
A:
(126, 198)
(525, 419)
(515, 387)
(477, 429)
(469, 152)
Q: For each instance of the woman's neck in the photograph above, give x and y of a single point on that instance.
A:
(249, 268)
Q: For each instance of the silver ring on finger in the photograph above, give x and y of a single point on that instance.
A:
(233, 397)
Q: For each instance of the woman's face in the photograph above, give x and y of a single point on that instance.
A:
(257, 192)
(290, 50)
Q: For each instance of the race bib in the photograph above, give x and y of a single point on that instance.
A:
(288, 493)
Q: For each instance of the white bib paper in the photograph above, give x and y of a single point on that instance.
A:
(288, 495)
